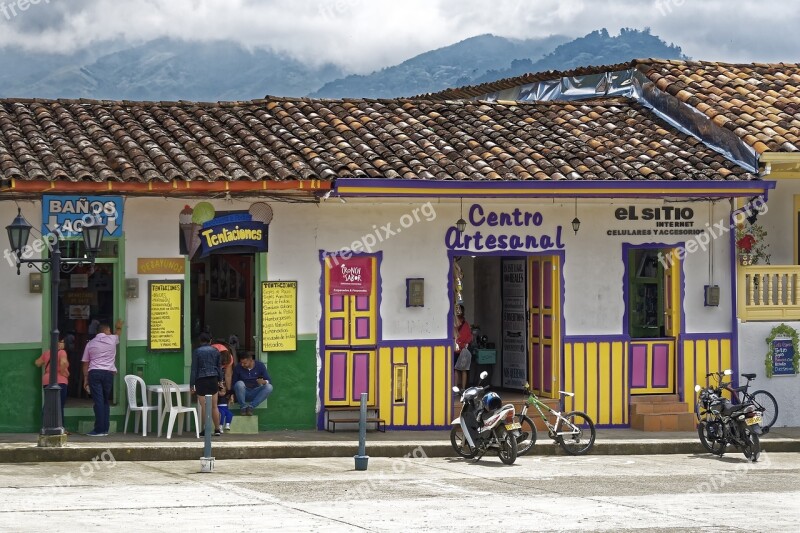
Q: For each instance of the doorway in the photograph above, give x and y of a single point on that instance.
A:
(653, 318)
(222, 298)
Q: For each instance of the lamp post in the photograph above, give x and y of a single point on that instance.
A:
(18, 232)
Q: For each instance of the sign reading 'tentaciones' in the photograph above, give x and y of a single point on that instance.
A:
(165, 316)
(279, 312)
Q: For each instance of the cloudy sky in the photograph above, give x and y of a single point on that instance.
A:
(362, 35)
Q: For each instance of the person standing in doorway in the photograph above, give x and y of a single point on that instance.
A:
(99, 368)
(206, 379)
(463, 335)
(63, 371)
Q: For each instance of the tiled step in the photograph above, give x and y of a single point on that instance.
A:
(660, 412)
(664, 422)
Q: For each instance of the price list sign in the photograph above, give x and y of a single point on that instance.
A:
(165, 316)
(783, 357)
(279, 316)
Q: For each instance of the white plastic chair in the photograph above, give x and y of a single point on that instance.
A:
(169, 387)
(132, 382)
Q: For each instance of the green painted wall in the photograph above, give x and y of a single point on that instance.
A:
(21, 400)
(291, 406)
(293, 402)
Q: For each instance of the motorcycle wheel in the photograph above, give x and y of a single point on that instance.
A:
(508, 447)
(460, 444)
(527, 437)
(582, 442)
(709, 441)
(752, 446)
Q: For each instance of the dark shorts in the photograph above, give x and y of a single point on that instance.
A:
(208, 385)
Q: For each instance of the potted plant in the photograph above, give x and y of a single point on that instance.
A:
(751, 244)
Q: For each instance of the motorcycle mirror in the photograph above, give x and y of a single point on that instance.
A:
(484, 374)
(697, 388)
(455, 389)
(728, 372)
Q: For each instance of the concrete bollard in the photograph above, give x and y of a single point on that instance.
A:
(362, 458)
(207, 462)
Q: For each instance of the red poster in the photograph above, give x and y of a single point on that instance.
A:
(350, 276)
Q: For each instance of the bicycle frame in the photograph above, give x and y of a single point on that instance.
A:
(553, 430)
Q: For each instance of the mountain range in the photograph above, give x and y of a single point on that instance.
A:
(167, 69)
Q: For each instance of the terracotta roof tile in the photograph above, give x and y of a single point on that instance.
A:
(290, 139)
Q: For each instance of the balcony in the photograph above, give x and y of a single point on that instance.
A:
(768, 292)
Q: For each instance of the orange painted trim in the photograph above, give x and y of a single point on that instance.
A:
(174, 187)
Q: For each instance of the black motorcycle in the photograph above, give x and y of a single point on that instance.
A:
(722, 423)
(484, 424)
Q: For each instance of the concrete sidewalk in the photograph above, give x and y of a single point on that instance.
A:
(22, 448)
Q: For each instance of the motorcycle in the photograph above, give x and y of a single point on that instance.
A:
(484, 424)
(722, 423)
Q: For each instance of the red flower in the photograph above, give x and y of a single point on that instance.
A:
(746, 243)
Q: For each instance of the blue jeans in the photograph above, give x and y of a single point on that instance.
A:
(101, 384)
(251, 397)
(225, 415)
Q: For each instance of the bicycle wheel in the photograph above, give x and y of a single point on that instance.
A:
(581, 442)
(766, 401)
(460, 444)
(527, 437)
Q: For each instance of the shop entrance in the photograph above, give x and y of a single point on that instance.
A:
(653, 318)
(513, 306)
(86, 299)
(223, 297)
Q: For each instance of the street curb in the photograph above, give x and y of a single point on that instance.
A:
(29, 453)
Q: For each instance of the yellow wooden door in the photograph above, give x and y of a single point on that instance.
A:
(544, 296)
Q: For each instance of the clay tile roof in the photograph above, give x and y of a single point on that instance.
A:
(758, 102)
(291, 139)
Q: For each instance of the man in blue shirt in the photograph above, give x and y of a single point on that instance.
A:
(251, 383)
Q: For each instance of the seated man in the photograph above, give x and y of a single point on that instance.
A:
(251, 383)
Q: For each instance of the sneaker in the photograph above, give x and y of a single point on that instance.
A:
(203, 433)
(218, 432)
(95, 434)
(228, 426)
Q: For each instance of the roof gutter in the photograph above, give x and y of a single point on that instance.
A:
(370, 187)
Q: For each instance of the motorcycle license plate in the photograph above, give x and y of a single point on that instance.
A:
(515, 425)
(753, 420)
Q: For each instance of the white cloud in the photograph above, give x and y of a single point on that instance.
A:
(362, 35)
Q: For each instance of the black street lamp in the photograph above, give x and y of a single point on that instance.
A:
(18, 232)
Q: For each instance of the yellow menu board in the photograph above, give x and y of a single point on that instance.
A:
(279, 316)
(165, 316)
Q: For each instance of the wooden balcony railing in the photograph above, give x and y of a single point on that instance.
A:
(769, 292)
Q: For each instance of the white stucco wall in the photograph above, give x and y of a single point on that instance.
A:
(21, 317)
(752, 355)
(593, 267)
(780, 221)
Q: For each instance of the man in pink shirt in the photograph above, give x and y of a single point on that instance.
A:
(98, 374)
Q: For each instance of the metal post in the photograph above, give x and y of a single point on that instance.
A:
(51, 415)
(362, 459)
(207, 462)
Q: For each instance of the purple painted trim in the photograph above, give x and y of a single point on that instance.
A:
(419, 385)
(336, 354)
(638, 366)
(595, 338)
(360, 376)
(433, 400)
(339, 306)
(418, 428)
(413, 343)
(660, 369)
(644, 188)
(707, 336)
(359, 299)
(337, 329)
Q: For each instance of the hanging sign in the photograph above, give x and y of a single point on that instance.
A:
(350, 276)
(783, 357)
(165, 316)
(66, 215)
(279, 316)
